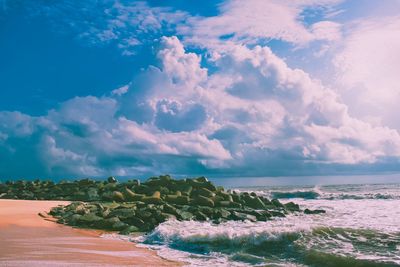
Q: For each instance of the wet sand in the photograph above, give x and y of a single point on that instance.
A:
(26, 239)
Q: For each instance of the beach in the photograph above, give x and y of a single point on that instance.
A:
(27, 239)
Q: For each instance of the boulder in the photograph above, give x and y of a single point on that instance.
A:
(185, 189)
(152, 200)
(89, 219)
(112, 179)
(74, 219)
(165, 216)
(132, 183)
(225, 196)
(118, 196)
(80, 209)
(169, 209)
(221, 213)
(200, 216)
(122, 213)
(143, 214)
(236, 198)
(225, 204)
(290, 206)
(276, 203)
(275, 213)
(139, 223)
(179, 200)
(255, 202)
(202, 201)
(185, 215)
(156, 194)
(118, 226)
(317, 211)
(239, 216)
(204, 192)
(129, 229)
(131, 196)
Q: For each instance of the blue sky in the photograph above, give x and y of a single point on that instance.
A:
(254, 88)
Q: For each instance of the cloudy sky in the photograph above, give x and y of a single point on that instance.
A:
(222, 88)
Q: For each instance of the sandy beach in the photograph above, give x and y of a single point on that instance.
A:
(26, 239)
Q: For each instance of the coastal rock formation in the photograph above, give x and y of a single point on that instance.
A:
(133, 206)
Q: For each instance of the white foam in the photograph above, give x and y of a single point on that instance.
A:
(379, 215)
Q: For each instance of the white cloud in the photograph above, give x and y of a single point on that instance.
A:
(128, 25)
(253, 115)
(120, 91)
(368, 67)
(131, 25)
(255, 20)
(180, 66)
(327, 30)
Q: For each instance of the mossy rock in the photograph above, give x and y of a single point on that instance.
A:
(139, 223)
(202, 201)
(277, 203)
(133, 183)
(204, 192)
(200, 216)
(185, 215)
(275, 213)
(185, 189)
(74, 219)
(156, 194)
(108, 222)
(179, 200)
(130, 229)
(131, 196)
(143, 214)
(292, 206)
(239, 216)
(108, 195)
(89, 219)
(223, 203)
(118, 226)
(221, 213)
(152, 200)
(170, 209)
(254, 202)
(317, 211)
(235, 205)
(158, 181)
(110, 187)
(118, 196)
(112, 179)
(122, 213)
(225, 196)
(166, 216)
(80, 209)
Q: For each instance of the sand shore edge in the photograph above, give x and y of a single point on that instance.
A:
(27, 239)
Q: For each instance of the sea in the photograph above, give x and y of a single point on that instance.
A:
(361, 226)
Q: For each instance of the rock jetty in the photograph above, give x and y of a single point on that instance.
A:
(133, 206)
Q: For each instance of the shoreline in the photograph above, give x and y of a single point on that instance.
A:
(27, 239)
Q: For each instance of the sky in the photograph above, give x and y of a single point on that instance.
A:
(215, 87)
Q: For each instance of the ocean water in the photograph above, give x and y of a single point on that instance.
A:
(361, 227)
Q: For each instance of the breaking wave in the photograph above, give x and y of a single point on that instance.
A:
(276, 243)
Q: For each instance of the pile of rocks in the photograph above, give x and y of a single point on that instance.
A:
(134, 206)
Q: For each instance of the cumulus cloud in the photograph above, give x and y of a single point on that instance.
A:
(252, 115)
(368, 67)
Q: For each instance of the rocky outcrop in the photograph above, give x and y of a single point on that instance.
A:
(134, 206)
